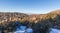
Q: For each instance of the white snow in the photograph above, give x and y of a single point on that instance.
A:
(54, 30)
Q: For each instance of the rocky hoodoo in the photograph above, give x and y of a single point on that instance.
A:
(38, 22)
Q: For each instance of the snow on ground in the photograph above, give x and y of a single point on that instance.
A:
(23, 29)
(53, 30)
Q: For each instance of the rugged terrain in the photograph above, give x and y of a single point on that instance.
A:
(38, 22)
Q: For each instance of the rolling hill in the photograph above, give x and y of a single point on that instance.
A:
(36, 21)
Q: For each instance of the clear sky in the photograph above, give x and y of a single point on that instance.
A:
(29, 6)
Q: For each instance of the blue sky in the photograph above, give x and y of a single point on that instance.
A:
(29, 6)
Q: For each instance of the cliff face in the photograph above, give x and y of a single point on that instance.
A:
(39, 22)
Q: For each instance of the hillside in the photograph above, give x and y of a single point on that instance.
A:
(5, 17)
(36, 21)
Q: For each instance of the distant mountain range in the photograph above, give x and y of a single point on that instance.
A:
(4, 17)
(51, 19)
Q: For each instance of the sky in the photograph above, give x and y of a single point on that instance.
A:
(29, 6)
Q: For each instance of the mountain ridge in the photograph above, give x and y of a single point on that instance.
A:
(24, 17)
(40, 23)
